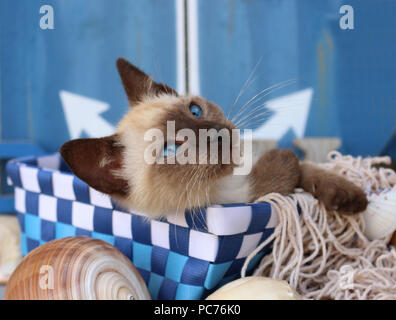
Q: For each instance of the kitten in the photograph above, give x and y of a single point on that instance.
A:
(116, 165)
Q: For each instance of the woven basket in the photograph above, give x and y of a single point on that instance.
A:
(182, 257)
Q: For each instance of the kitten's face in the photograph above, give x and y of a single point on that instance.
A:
(119, 165)
(160, 187)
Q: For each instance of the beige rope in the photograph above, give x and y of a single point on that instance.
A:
(324, 255)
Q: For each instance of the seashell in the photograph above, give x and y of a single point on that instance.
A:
(255, 288)
(10, 253)
(380, 215)
(76, 268)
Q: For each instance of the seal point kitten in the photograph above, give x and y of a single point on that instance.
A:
(115, 165)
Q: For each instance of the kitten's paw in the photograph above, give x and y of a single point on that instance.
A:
(276, 171)
(338, 194)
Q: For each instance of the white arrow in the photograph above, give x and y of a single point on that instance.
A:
(291, 112)
(83, 114)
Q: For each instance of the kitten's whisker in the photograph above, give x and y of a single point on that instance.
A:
(253, 125)
(254, 97)
(252, 113)
(186, 175)
(258, 96)
(189, 189)
(196, 203)
(206, 194)
(186, 190)
(196, 198)
(257, 108)
(207, 204)
(244, 87)
(243, 91)
(199, 185)
(207, 200)
(260, 120)
(253, 116)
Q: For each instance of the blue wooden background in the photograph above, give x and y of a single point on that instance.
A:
(352, 72)
(78, 56)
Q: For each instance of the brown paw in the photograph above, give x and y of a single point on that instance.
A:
(276, 171)
(335, 192)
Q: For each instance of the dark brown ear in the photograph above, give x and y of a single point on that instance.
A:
(95, 161)
(137, 84)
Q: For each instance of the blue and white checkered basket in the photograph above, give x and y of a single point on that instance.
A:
(181, 257)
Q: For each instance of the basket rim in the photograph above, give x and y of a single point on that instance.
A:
(222, 219)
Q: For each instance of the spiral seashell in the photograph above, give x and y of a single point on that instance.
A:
(76, 268)
(380, 215)
(255, 288)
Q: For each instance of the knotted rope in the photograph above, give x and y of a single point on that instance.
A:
(325, 255)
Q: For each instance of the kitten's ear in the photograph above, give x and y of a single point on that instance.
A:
(137, 84)
(96, 162)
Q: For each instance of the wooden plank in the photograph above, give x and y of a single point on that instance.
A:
(317, 149)
(390, 148)
(350, 71)
(77, 56)
(9, 150)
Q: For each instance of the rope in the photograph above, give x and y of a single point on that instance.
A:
(324, 255)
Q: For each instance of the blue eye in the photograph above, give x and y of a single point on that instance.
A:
(196, 111)
(170, 150)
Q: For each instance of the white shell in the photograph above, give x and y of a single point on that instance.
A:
(255, 288)
(10, 254)
(380, 215)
